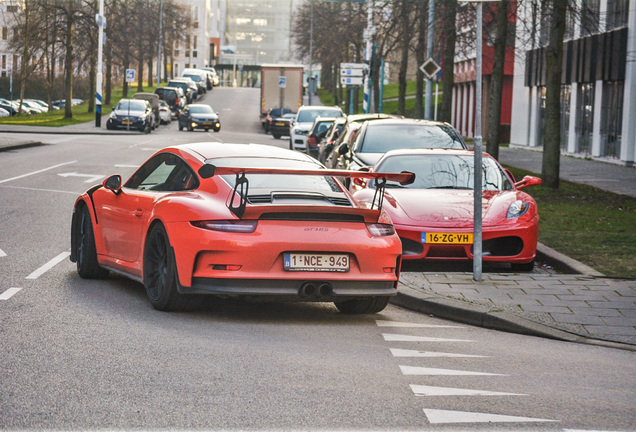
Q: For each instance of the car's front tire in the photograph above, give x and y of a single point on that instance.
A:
(523, 267)
(86, 252)
(362, 306)
(160, 272)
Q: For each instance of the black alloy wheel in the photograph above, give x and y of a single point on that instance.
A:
(160, 272)
(362, 306)
(86, 253)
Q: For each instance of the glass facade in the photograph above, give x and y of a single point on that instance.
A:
(260, 30)
(584, 118)
(612, 118)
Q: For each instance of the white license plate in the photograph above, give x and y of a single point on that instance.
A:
(316, 262)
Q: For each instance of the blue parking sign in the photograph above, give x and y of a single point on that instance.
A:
(130, 75)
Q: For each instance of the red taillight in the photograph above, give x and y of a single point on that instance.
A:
(311, 141)
(235, 226)
(176, 101)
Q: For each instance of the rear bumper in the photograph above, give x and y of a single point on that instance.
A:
(294, 289)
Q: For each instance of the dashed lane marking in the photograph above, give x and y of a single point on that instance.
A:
(384, 323)
(422, 390)
(36, 172)
(389, 337)
(2, 253)
(9, 293)
(444, 416)
(415, 353)
(49, 265)
(416, 370)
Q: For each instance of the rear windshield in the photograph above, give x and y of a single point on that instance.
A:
(381, 138)
(167, 95)
(307, 116)
(278, 182)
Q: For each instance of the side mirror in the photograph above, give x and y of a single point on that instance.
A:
(528, 181)
(113, 183)
(343, 149)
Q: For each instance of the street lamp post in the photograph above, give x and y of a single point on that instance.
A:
(159, 43)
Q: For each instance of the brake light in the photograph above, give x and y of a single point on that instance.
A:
(380, 230)
(176, 101)
(235, 226)
(311, 141)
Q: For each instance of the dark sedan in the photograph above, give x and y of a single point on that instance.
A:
(199, 116)
(280, 125)
(132, 114)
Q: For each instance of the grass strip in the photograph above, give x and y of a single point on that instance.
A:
(588, 224)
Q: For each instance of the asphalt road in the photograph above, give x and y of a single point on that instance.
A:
(79, 354)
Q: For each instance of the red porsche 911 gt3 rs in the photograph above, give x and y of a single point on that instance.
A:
(239, 220)
(434, 215)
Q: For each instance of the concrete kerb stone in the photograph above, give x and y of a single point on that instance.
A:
(482, 316)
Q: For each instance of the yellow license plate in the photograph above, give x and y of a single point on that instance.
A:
(126, 122)
(280, 124)
(447, 238)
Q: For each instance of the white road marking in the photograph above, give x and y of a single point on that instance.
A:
(126, 166)
(91, 177)
(408, 338)
(385, 323)
(49, 265)
(41, 190)
(444, 416)
(9, 293)
(414, 353)
(422, 390)
(2, 253)
(416, 370)
(36, 172)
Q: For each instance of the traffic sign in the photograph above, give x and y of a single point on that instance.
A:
(345, 80)
(282, 81)
(130, 75)
(430, 68)
(351, 72)
(353, 66)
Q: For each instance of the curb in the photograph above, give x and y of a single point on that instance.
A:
(482, 316)
(564, 263)
(19, 145)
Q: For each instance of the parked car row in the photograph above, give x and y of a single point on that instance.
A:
(434, 215)
(28, 106)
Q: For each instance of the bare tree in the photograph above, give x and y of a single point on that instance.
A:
(449, 32)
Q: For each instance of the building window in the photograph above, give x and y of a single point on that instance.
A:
(584, 118)
(566, 91)
(612, 118)
(5, 33)
(617, 13)
(590, 13)
(12, 8)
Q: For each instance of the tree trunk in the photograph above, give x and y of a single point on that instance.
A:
(69, 64)
(448, 77)
(404, 60)
(496, 80)
(108, 54)
(554, 60)
(92, 75)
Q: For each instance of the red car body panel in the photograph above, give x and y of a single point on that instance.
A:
(122, 219)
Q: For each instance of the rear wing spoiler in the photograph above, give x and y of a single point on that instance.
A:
(241, 186)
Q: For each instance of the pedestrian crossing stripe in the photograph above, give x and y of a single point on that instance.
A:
(415, 370)
(414, 353)
(389, 337)
(422, 390)
(385, 323)
(444, 416)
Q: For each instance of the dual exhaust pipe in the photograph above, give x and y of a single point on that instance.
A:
(315, 290)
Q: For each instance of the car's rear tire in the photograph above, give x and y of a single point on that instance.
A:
(523, 267)
(276, 136)
(362, 306)
(160, 272)
(86, 253)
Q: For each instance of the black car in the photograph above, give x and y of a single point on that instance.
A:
(317, 133)
(280, 125)
(199, 116)
(273, 114)
(132, 114)
(174, 97)
(188, 86)
(374, 138)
